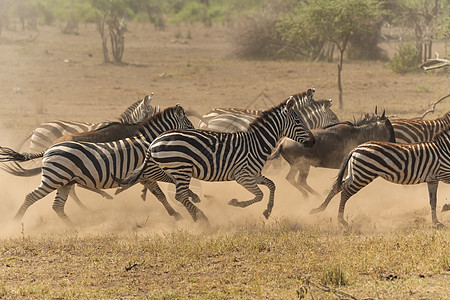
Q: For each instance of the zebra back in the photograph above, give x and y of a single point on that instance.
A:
(413, 131)
(45, 134)
(314, 113)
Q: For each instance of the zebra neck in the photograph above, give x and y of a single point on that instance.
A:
(152, 130)
(265, 135)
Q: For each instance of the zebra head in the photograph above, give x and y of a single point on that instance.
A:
(139, 111)
(295, 127)
(182, 119)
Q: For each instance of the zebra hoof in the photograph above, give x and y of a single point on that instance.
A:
(233, 202)
(266, 214)
(439, 226)
(196, 199)
(316, 210)
(177, 216)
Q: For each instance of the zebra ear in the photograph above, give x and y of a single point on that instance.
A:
(290, 103)
(328, 103)
(310, 93)
(180, 110)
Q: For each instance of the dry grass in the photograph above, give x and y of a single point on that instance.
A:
(274, 260)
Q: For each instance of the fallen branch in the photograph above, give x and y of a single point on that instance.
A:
(431, 110)
(430, 64)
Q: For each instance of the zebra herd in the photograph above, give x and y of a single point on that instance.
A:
(231, 145)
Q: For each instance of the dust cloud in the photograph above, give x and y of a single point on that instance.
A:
(380, 207)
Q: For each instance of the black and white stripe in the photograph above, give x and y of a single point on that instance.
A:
(398, 163)
(45, 134)
(94, 165)
(239, 156)
(414, 131)
(316, 114)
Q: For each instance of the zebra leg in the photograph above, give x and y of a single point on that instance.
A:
(37, 194)
(102, 193)
(60, 200)
(302, 175)
(269, 183)
(74, 196)
(154, 188)
(334, 191)
(249, 183)
(182, 195)
(290, 177)
(432, 192)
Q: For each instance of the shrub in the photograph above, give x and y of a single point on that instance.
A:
(405, 60)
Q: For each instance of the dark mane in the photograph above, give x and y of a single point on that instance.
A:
(363, 120)
(265, 113)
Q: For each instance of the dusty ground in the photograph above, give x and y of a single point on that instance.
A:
(59, 76)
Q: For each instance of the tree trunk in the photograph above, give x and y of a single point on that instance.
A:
(339, 82)
(102, 28)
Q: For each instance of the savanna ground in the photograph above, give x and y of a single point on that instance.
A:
(126, 248)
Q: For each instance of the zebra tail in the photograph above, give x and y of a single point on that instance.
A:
(342, 169)
(8, 154)
(17, 170)
(125, 183)
(276, 152)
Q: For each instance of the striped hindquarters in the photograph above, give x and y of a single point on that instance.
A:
(397, 163)
(414, 131)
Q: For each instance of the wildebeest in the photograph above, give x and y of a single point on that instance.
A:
(333, 143)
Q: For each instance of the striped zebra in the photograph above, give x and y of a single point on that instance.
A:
(45, 134)
(217, 156)
(93, 164)
(413, 131)
(316, 114)
(398, 163)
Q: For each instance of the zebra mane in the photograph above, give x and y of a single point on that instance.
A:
(304, 98)
(155, 118)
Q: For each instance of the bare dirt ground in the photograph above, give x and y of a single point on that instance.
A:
(59, 76)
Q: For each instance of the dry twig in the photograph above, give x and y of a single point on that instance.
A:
(431, 110)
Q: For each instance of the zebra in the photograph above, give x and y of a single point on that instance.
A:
(45, 134)
(218, 156)
(413, 131)
(316, 114)
(398, 163)
(93, 164)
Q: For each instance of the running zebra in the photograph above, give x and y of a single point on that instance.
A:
(93, 164)
(217, 156)
(414, 131)
(45, 134)
(316, 114)
(398, 163)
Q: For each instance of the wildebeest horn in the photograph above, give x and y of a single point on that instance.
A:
(383, 114)
(376, 108)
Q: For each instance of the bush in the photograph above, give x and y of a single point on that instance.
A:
(405, 60)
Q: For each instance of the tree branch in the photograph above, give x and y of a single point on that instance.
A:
(431, 110)
(430, 64)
